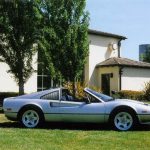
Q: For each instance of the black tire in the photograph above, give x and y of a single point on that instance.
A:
(123, 119)
(31, 117)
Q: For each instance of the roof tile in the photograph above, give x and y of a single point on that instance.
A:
(118, 61)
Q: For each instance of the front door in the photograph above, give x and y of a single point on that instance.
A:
(105, 84)
(82, 112)
(74, 110)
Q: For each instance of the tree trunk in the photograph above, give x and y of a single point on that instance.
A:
(21, 87)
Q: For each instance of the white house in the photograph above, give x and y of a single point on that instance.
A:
(8, 84)
(122, 74)
(104, 69)
(102, 47)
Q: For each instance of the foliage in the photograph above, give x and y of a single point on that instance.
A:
(65, 37)
(95, 88)
(79, 88)
(135, 95)
(1, 109)
(128, 94)
(18, 35)
(146, 91)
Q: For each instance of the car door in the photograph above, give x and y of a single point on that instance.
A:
(73, 111)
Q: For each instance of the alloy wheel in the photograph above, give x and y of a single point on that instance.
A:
(30, 118)
(123, 121)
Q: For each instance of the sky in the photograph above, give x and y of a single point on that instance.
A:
(130, 18)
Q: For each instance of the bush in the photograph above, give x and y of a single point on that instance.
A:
(128, 94)
(5, 95)
(79, 88)
(136, 95)
(146, 91)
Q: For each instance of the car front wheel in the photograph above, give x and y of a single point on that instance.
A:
(30, 118)
(123, 120)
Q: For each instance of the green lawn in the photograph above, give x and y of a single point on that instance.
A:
(70, 137)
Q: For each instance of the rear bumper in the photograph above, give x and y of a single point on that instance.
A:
(11, 115)
(144, 118)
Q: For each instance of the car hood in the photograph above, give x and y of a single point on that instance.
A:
(130, 101)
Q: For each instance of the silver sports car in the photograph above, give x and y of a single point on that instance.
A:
(58, 105)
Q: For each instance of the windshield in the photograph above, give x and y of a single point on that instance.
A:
(100, 95)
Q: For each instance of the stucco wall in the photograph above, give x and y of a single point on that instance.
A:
(114, 81)
(99, 50)
(134, 78)
(7, 83)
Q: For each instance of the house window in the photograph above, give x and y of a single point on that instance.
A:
(44, 80)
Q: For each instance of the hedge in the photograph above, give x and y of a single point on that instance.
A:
(128, 94)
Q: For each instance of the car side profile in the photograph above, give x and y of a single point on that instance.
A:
(57, 105)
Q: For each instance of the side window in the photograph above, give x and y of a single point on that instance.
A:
(51, 96)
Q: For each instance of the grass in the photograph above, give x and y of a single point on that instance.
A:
(70, 137)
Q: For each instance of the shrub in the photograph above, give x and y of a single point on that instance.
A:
(95, 88)
(128, 94)
(1, 110)
(146, 91)
(79, 88)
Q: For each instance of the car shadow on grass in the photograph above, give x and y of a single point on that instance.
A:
(71, 126)
(10, 125)
(60, 126)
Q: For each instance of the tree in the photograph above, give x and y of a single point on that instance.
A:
(18, 37)
(65, 36)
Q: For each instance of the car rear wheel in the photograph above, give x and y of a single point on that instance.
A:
(123, 120)
(31, 118)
